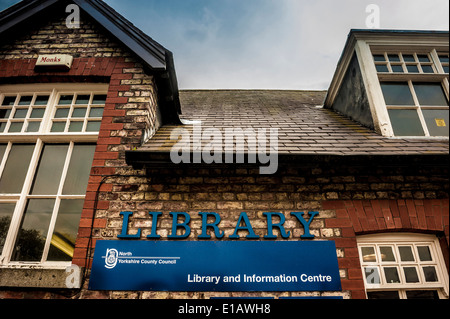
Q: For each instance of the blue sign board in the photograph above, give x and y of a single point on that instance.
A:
(215, 266)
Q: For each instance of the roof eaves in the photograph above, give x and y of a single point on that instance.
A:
(21, 11)
(142, 158)
(398, 32)
(143, 46)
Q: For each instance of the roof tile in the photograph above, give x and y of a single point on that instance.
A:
(304, 127)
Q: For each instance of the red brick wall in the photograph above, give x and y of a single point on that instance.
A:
(130, 107)
(358, 217)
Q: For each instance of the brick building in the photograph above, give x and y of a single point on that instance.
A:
(87, 158)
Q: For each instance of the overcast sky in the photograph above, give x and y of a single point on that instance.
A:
(265, 44)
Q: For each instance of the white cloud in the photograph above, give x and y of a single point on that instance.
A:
(286, 44)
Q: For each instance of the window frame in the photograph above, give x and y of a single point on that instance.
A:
(417, 106)
(396, 240)
(39, 140)
(438, 76)
(366, 48)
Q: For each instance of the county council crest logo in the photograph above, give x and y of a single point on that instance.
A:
(111, 258)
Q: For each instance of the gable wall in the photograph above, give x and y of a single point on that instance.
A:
(131, 105)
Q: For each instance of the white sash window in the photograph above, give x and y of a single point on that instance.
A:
(48, 138)
(403, 266)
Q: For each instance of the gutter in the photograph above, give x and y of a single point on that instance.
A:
(139, 159)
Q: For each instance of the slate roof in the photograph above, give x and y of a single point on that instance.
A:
(305, 127)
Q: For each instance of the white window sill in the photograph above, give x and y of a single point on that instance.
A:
(29, 276)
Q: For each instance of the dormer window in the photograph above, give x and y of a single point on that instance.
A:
(395, 82)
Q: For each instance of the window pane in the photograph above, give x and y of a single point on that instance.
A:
(2, 127)
(33, 127)
(6, 212)
(427, 69)
(394, 57)
(20, 114)
(422, 294)
(369, 254)
(437, 122)
(391, 274)
(443, 58)
(99, 99)
(93, 126)
(406, 123)
(430, 94)
(412, 69)
(58, 127)
(406, 253)
(42, 100)
(79, 170)
(37, 113)
(408, 58)
(411, 275)
(76, 126)
(96, 112)
(397, 68)
(430, 274)
(383, 295)
(372, 275)
(33, 233)
(62, 113)
(446, 69)
(382, 68)
(387, 254)
(4, 113)
(25, 100)
(423, 58)
(66, 229)
(16, 169)
(397, 93)
(15, 127)
(65, 100)
(49, 171)
(9, 100)
(79, 112)
(424, 253)
(2, 151)
(83, 99)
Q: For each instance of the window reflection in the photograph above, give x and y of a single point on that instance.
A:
(406, 123)
(66, 229)
(430, 94)
(39, 212)
(397, 93)
(79, 169)
(50, 170)
(16, 169)
(33, 232)
(6, 212)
